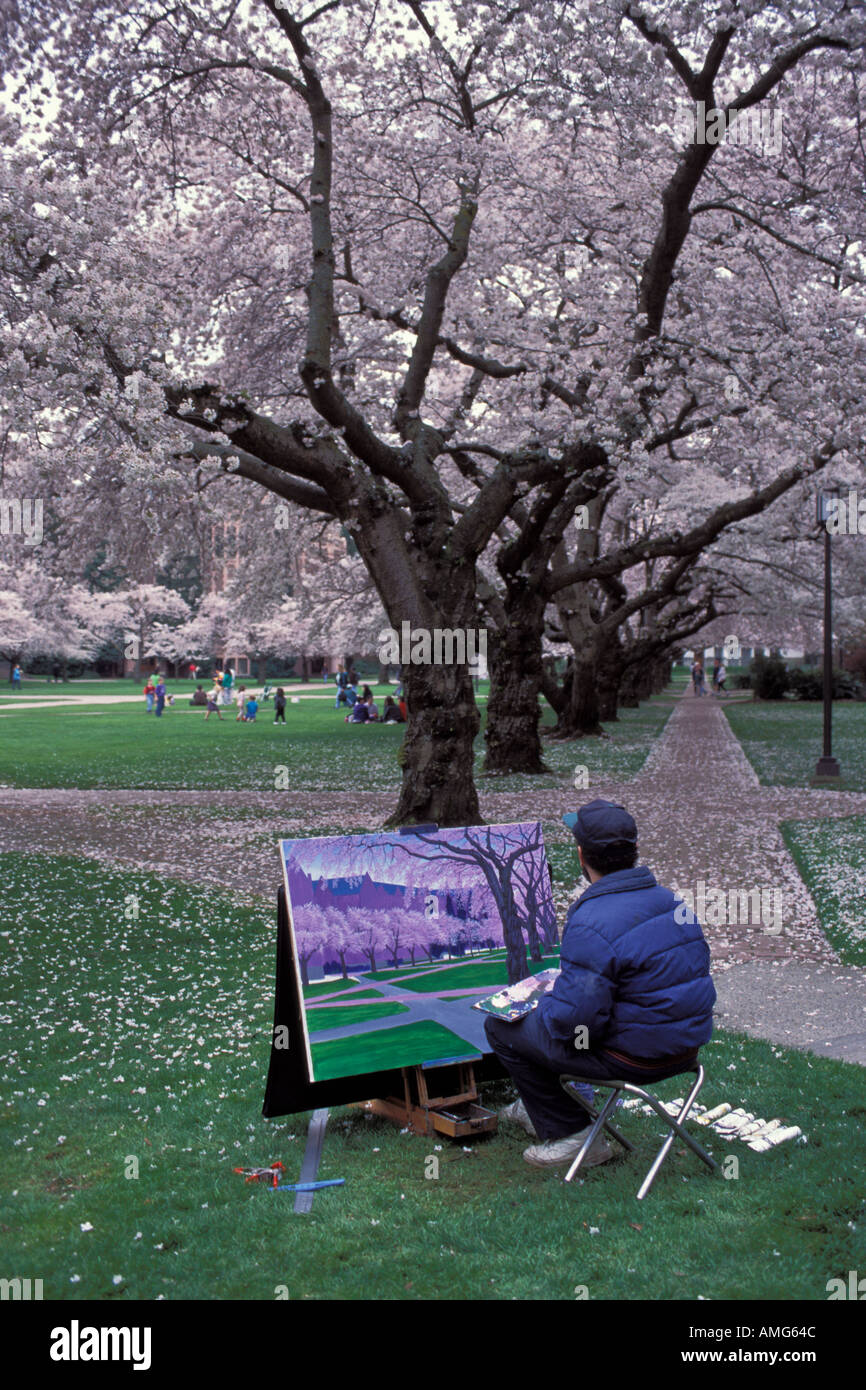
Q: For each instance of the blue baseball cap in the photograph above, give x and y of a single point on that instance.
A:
(601, 823)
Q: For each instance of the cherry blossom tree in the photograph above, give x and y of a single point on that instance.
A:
(443, 272)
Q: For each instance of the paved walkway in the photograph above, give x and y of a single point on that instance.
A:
(703, 819)
(456, 1015)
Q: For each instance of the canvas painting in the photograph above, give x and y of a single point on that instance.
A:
(395, 936)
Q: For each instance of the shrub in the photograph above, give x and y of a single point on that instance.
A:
(806, 685)
(846, 686)
(809, 685)
(856, 661)
(769, 678)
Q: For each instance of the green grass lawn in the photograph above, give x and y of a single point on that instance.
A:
(831, 857)
(783, 740)
(122, 746)
(137, 1018)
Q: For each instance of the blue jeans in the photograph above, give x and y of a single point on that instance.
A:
(149, 699)
(160, 703)
(535, 1061)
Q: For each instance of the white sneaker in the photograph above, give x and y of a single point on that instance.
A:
(518, 1114)
(558, 1151)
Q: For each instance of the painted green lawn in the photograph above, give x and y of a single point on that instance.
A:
(139, 1043)
(419, 967)
(320, 1019)
(122, 746)
(387, 1048)
(492, 973)
(831, 857)
(320, 987)
(783, 740)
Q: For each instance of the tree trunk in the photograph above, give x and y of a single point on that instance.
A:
(535, 951)
(512, 734)
(581, 713)
(609, 672)
(553, 692)
(427, 588)
(515, 957)
(437, 751)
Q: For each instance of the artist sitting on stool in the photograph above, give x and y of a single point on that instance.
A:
(634, 999)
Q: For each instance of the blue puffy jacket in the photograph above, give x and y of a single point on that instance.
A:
(637, 979)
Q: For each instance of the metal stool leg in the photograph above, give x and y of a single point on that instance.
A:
(676, 1130)
(609, 1128)
(594, 1132)
(600, 1122)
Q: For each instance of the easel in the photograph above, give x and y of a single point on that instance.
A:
(456, 1113)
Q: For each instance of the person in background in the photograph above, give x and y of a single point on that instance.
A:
(360, 714)
(160, 694)
(366, 693)
(721, 677)
(715, 680)
(193, 670)
(227, 683)
(149, 694)
(252, 708)
(198, 697)
(280, 706)
(403, 708)
(372, 709)
(16, 678)
(213, 702)
(351, 695)
(240, 698)
(342, 679)
(698, 676)
(391, 713)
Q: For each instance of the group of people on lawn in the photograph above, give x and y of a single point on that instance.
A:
(362, 707)
(222, 693)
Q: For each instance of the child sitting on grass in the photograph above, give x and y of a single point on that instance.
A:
(252, 709)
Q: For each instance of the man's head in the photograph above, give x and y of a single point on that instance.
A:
(606, 837)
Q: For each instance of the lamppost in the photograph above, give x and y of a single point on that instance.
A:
(827, 766)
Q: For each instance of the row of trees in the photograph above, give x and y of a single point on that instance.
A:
(449, 275)
(379, 936)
